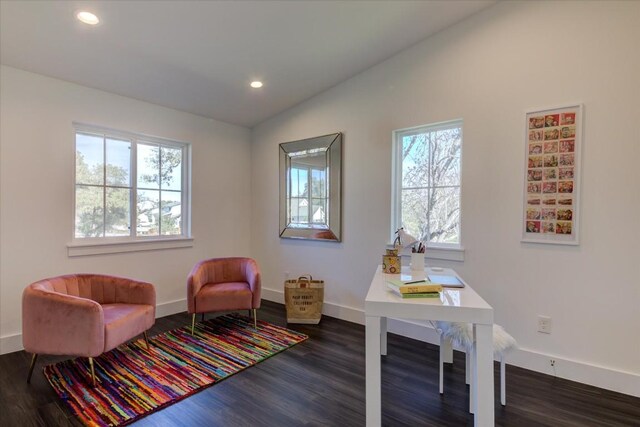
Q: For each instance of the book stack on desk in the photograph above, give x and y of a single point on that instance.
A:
(414, 288)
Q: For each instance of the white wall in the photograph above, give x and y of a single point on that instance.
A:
(36, 189)
(489, 70)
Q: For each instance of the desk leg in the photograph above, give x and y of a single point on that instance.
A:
(383, 336)
(447, 350)
(472, 389)
(373, 373)
(483, 375)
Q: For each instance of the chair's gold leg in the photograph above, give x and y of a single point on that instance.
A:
(255, 319)
(33, 364)
(146, 339)
(93, 373)
(193, 323)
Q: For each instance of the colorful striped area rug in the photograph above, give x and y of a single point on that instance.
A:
(132, 382)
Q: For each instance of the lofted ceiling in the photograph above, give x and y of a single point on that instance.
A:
(200, 56)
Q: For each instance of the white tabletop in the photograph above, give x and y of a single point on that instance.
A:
(454, 304)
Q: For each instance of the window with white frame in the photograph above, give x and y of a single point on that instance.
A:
(129, 186)
(427, 182)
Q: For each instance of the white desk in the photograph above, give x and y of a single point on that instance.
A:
(455, 305)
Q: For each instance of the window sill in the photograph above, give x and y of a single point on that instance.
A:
(437, 253)
(84, 249)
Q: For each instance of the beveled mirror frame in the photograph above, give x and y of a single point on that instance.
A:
(331, 230)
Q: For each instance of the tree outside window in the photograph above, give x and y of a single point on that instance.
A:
(121, 181)
(428, 182)
(159, 190)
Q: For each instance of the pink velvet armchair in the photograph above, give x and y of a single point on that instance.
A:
(223, 284)
(84, 315)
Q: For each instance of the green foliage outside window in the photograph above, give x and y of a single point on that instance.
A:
(105, 210)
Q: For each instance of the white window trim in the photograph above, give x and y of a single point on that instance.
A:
(95, 248)
(133, 243)
(442, 251)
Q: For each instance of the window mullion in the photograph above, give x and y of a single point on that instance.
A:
(309, 198)
(429, 184)
(104, 186)
(159, 190)
(184, 210)
(133, 195)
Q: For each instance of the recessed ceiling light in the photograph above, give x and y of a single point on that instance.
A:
(256, 84)
(87, 17)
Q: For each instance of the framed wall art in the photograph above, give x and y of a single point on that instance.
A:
(553, 143)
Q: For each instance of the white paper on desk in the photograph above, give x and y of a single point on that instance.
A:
(408, 278)
(446, 281)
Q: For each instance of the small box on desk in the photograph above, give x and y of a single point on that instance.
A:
(391, 262)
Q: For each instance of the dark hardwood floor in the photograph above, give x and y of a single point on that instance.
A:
(321, 382)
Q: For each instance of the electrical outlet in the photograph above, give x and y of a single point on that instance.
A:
(552, 362)
(544, 324)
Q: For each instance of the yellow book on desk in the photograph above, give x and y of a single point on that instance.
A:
(413, 287)
(414, 294)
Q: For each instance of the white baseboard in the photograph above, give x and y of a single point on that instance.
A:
(349, 314)
(597, 376)
(171, 307)
(11, 343)
(574, 370)
(582, 372)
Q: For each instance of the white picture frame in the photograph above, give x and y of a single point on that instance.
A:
(552, 168)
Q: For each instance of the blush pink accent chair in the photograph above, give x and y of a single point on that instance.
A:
(84, 315)
(223, 284)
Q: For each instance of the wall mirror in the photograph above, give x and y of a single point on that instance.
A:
(310, 188)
